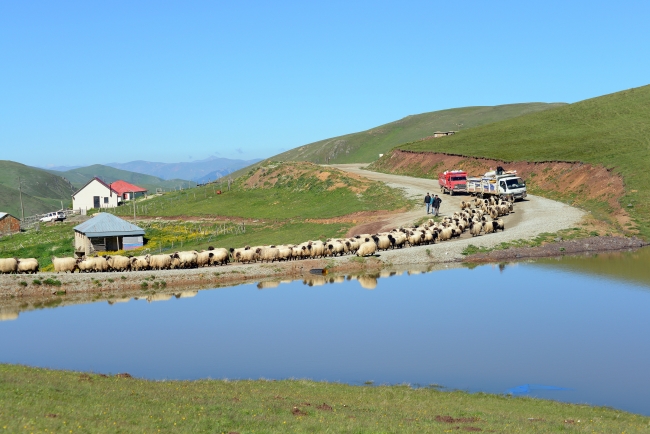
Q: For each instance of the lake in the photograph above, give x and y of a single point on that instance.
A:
(577, 323)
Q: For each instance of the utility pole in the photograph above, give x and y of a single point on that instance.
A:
(20, 192)
(133, 193)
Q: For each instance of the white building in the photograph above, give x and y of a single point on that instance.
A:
(95, 194)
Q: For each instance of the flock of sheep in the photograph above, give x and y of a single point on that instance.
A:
(476, 216)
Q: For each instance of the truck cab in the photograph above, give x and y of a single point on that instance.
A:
(512, 186)
(453, 181)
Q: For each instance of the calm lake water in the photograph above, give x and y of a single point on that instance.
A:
(577, 323)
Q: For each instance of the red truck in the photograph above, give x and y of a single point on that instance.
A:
(453, 181)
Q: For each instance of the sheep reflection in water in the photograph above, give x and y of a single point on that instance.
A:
(267, 285)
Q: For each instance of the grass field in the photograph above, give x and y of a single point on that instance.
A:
(611, 130)
(39, 400)
(275, 201)
(365, 146)
(280, 191)
(169, 236)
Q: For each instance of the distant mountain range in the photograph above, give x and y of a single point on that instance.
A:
(200, 171)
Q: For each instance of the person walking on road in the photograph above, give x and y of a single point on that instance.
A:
(436, 205)
(427, 201)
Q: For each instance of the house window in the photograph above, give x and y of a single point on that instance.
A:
(105, 200)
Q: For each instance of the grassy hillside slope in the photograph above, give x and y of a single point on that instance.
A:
(79, 177)
(611, 130)
(281, 191)
(42, 191)
(365, 146)
(282, 203)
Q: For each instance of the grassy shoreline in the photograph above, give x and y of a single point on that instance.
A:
(39, 400)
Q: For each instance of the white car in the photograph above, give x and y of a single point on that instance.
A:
(57, 216)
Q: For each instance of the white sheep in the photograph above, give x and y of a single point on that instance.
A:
(367, 248)
(268, 253)
(220, 256)
(118, 263)
(28, 265)
(65, 264)
(140, 263)
(475, 228)
(186, 259)
(160, 262)
(8, 265)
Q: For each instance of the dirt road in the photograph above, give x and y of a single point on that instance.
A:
(532, 217)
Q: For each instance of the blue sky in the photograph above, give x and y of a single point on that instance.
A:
(98, 82)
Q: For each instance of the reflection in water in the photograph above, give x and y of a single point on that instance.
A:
(267, 285)
(632, 266)
(119, 300)
(8, 316)
(368, 282)
(478, 329)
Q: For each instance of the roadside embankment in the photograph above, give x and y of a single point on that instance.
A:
(592, 187)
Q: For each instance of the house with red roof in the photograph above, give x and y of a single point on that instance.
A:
(98, 194)
(127, 190)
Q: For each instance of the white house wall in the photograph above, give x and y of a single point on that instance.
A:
(84, 199)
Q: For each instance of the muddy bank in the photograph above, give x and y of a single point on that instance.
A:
(559, 248)
(577, 182)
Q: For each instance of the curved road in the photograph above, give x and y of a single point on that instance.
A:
(532, 216)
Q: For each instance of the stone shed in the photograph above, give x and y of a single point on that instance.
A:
(8, 224)
(106, 232)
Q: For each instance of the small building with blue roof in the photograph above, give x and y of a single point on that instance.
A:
(106, 232)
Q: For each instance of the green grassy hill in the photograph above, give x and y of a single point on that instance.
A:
(279, 191)
(42, 191)
(611, 130)
(365, 146)
(79, 177)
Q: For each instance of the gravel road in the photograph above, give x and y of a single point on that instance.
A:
(532, 216)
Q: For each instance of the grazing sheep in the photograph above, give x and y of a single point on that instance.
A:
(353, 245)
(65, 264)
(445, 234)
(93, 264)
(28, 265)
(220, 256)
(186, 259)
(245, 254)
(335, 248)
(140, 263)
(415, 238)
(367, 248)
(384, 242)
(268, 254)
(204, 258)
(118, 263)
(160, 262)
(400, 239)
(8, 265)
(499, 224)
